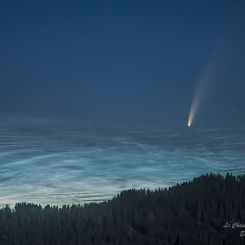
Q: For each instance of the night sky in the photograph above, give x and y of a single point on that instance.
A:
(137, 60)
(95, 96)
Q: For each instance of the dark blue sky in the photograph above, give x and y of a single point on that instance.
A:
(122, 59)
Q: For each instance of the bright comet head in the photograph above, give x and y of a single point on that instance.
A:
(190, 119)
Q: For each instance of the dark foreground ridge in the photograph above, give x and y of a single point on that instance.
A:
(190, 213)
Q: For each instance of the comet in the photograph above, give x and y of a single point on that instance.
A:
(193, 109)
(207, 77)
(210, 74)
(197, 98)
(195, 104)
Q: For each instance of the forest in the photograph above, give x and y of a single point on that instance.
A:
(210, 209)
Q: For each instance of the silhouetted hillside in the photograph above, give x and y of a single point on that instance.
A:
(190, 213)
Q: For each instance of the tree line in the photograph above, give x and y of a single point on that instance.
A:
(193, 212)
